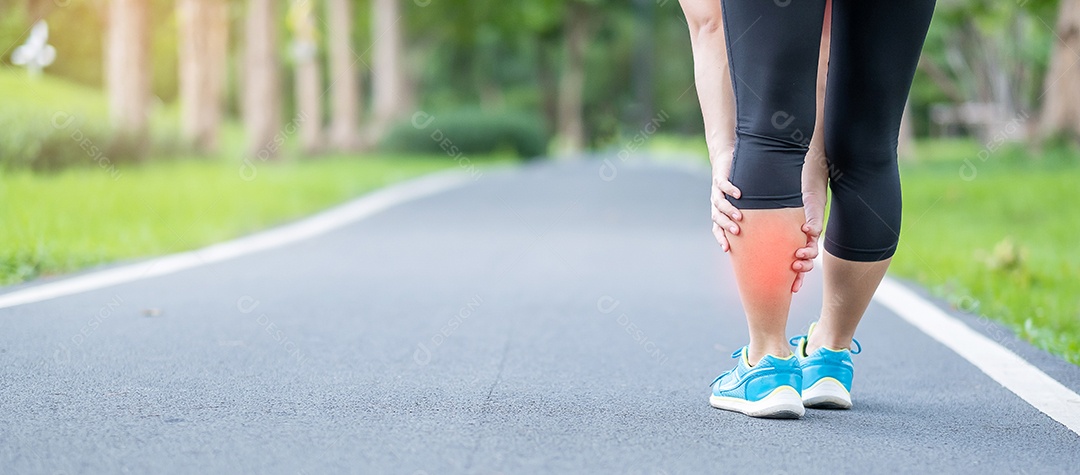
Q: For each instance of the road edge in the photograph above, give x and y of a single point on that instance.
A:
(320, 223)
(1012, 371)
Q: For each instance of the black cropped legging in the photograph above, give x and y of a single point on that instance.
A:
(773, 48)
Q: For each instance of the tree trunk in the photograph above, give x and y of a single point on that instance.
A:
(547, 79)
(388, 81)
(204, 39)
(261, 82)
(643, 62)
(570, 127)
(127, 68)
(1061, 101)
(307, 77)
(344, 80)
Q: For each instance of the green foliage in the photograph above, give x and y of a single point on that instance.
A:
(470, 132)
(987, 51)
(501, 56)
(47, 124)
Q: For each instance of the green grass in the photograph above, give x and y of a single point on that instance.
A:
(1004, 244)
(45, 95)
(61, 222)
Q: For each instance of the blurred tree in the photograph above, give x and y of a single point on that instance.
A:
(595, 70)
(389, 88)
(515, 56)
(345, 100)
(307, 72)
(644, 61)
(1061, 105)
(262, 92)
(128, 67)
(570, 124)
(989, 59)
(39, 8)
(203, 28)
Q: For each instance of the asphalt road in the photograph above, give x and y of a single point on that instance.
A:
(539, 320)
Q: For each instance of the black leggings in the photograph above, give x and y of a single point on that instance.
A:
(773, 48)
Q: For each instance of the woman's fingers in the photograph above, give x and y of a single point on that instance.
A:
(810, 252)
(721, 238)
(724, 221)
(725, 186)
(803, 265)
(804, 257)
(724, 214)
(726, 207)
(728, 213)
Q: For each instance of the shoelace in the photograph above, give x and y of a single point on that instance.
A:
(736, 354)
(794, 341)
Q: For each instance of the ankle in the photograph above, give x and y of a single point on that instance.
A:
(819, 339)
(755, 352)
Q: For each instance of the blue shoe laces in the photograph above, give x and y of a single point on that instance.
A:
(794, 341)
(736, 354)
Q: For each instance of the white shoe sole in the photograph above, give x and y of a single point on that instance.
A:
(827, 393)
(782, 403)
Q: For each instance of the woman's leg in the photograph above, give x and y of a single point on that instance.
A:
(761, 255)
(773, 53)
(848, 288)
(874, 51)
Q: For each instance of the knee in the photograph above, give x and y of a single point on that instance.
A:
(857, 151)
(864, 224)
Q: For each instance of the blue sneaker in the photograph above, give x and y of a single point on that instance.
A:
(768, 389)
(827, 374)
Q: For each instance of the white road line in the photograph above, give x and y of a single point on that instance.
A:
(318, 224)
(1002, 365)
